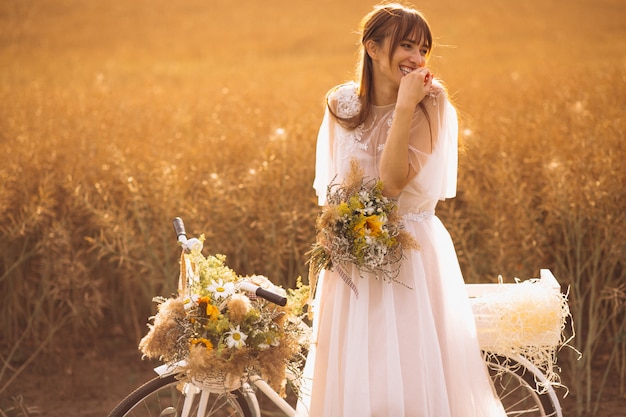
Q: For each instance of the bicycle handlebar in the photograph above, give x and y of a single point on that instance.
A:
(181, 236)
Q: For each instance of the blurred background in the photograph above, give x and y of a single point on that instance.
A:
(117, 116)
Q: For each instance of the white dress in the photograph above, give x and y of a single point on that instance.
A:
(394, 351)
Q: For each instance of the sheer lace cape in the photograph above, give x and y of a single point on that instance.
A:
(436, 161)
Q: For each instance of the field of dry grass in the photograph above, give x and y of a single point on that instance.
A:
(117, 116)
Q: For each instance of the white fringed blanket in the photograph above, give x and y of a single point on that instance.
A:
(524, 314)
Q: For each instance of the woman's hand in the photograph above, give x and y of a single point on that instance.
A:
(414, 87)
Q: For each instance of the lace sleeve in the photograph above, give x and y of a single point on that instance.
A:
(436, 158)
(345, 103)
(323, 160)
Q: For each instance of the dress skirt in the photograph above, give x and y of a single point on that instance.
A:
(406, 348)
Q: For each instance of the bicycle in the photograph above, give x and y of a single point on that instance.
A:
(516, 379)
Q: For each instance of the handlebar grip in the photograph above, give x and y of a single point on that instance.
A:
(263, 293)
(179, 227)
(271, 296)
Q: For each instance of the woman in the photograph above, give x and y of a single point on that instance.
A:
(408, 347)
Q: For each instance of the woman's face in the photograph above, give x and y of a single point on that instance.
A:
(410, 55)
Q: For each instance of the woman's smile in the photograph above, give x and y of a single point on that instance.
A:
(405, 70)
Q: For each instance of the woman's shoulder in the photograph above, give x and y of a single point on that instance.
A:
(344, 91)
(344, 99)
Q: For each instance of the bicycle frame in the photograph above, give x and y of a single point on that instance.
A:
(272, 395)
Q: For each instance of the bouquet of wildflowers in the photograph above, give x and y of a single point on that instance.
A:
(359, 225)
(214, 330)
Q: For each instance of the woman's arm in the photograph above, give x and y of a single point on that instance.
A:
(394, 169)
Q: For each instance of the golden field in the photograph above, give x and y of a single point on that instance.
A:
(117, 116)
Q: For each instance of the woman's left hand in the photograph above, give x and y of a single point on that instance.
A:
(414, 87)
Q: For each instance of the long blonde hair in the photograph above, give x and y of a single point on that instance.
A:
(386, 20)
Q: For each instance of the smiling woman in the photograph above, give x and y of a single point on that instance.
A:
(409, 341)
(117, 115)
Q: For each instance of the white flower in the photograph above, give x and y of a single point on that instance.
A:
(270, 340)
(236, 338)
(190, 302)
(219, 289)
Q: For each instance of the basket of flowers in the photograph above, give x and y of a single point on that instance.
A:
(214, 331)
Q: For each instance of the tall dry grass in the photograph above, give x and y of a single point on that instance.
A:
(543, 185)
(147, 110)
